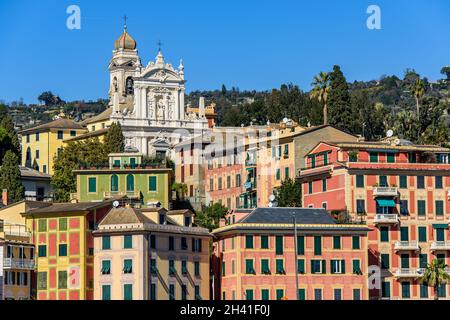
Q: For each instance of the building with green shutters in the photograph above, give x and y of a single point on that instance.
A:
(127, 176)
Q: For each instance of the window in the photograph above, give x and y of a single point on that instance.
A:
(390, 157)
(184, 268)
(63, 250)
(37, 154)
(106, 292)
(223, 269)
(44, 168)
(360, 181)
(183, 292)
(324, 184)
(265, 294)
(438, 182)
(286, 173)
(301, 294)
(106, 267)
(384, 234)
(337, 294)
(130, 183)
(404, 261)
(423, 260)
(412, 157)
(280, 266)
(196, 268)
(310, 187)
(403, 182)
(317, 245)
(127, 241)
(384, 261)
(424, 290)
(127, 266)
(420, 182)
(337, 266)
(42, 280)
(318, 266)
(249, 267)
(404, 234)
(439, 207)
(249, 242)
(92, 185)
(171, 243)
(62, 279)
(278, 174)
(228, 182)
(404, 207)
(383, 181)
(356, 242)
(317, 294)
(106, 242)
(356, 294)
(280, 294)
(301, 266)
(152, 241)
(184, 244)
(42, 251)
(422, 234)
(279, 245)
(440, 236)
(28, 138)
(152, 184)
(248, 294)
(162, 218)
(301, 245)
(73, 133)
(42, 225)
(62, 224)
(60, 135)
(406, 290)
(264, 242)
(336, 242)
(360, 206)
(220, 183)
(128, 292)
(171, 292)
(442, 291)
(385, 289)
(421, 205)
(373, 156)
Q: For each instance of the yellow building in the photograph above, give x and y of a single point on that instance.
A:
(150, 254)
(16, 262)
(42, 143)
(97, 127)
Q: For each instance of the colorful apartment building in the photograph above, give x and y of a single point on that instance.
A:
(401, 190)
(150, 254)
(62, 235)
(17, 262)
(126, 175)
(97, 127)
(42, 143)
(255, 258)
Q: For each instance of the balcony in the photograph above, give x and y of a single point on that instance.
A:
(385, 191)
(407, 246)
(118, 194)
(409, 272)
(17, 263)
(386, 218)
(440, 245)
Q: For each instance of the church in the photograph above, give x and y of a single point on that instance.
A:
(148, 101)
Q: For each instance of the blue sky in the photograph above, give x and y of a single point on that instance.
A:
(251, 44)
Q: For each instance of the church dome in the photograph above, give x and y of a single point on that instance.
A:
(125, 42)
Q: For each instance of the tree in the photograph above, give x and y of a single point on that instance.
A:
(210, 216)
(224, 89)
(8, 136)
(49, 99)
(114, 140)
(321, 88)
(180, 189)
(10, 177)
(435, 275)
(418, 90)
(406, 125)
(341, 113)
(373, 118)
(289, 194)
(89, 152)
(446, 72)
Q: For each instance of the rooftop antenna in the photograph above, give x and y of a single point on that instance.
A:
(125, 23)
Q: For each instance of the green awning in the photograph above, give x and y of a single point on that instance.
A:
(386, 202)
(440, 225)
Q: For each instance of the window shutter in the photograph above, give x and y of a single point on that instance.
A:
(324, 266)
(343, 266)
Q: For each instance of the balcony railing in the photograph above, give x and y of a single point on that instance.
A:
(385, 191)
(409, 272)
(129, 194)
(407, 245)
(17, 263)
(440, 245)
(386, 218)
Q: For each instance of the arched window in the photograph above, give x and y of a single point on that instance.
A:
(130, 182)
(114, 183)
(129, 86)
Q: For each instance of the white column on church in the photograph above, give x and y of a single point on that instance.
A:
(137, 97)
(144, 146)
(177, 105)
(181, 108)
(143, 106)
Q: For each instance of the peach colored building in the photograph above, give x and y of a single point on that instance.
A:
(402, 191)
(254, 258)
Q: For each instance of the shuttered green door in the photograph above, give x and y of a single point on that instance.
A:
(317, 245)
(279, 245)
(130, 182)
(106, 292)
(152, 183)
(114, 183)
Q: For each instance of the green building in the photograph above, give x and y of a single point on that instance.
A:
(126, 176)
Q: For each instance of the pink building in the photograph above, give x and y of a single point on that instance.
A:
(255, 257)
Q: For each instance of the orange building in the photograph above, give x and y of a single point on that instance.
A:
(401, 190)
(255, 258)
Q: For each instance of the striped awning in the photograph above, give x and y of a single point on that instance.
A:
(386, 202)
(440, 225)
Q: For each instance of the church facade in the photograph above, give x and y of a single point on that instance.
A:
(148, 101)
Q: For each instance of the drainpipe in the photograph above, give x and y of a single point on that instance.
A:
(296, 254)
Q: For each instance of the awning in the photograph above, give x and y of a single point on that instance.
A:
(386, 202)
(440, 225)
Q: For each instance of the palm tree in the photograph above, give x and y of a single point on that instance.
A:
(418, 91)
(435, 274)
(321, 88)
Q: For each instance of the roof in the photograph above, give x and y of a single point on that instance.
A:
(181, 211)
(284, 215)
(26, 172)
(103, 116)
(29, 205)
(56, 124)
(388, 145)
(69, 207)
(91, 134)
(124, 215)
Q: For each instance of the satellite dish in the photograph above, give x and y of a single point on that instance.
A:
(285, 120)
(116, 204)
(272, 198)
(270, 205)
(389, 133)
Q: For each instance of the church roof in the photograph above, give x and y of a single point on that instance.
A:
(125, 42)
(104, 116)
(56, 124)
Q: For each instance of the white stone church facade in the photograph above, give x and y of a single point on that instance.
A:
(148, 101)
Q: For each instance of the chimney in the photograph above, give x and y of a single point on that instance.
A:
(5, 197)
(201, 107)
